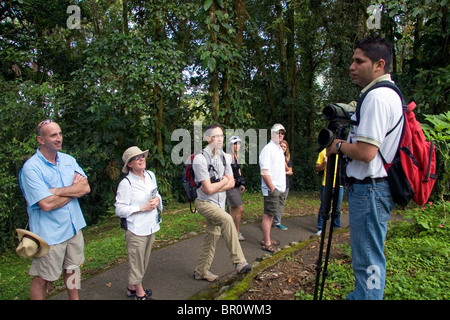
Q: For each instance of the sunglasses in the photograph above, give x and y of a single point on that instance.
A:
(137, 158)
(41, 124)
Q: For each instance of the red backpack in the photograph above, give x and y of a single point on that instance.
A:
(412, 173)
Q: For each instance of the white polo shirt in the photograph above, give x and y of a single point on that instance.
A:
(380, 112)
(272, 159)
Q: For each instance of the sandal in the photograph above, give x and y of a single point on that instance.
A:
(269, 249)
(132, 293)
(145, 297)
(273, 242)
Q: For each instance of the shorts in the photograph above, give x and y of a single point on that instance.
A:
(68, 255)
(234, 197)
(274, 203)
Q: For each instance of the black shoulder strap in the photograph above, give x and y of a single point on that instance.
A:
(145, 171)
(151, 178)
(385, 84)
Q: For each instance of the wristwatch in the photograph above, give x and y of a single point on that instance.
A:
(338, 146)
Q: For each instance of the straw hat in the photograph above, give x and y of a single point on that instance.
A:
(129, 154)
(31, 245)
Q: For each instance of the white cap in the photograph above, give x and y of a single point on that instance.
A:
(277, 127)
(234, 139)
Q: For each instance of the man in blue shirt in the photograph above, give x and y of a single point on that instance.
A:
(52, 182)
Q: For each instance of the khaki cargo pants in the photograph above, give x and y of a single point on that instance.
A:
(218, 222)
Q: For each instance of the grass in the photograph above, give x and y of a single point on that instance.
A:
(105, 243)
(417, 260)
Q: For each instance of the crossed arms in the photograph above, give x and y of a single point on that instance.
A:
(62, 196)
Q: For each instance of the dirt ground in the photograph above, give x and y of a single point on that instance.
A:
(294, 275)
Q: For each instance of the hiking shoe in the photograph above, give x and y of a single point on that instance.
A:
(281, 227)
(243, 267)
(240, 237)
(208, 277)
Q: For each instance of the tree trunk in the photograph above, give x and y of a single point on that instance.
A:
(214, 82)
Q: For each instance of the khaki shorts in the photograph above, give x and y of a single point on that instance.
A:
(68, 255)
(274, 203)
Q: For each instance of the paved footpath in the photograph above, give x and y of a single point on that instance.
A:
(171, 268)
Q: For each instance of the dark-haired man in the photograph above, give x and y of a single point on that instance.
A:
(216, 177)
(369, 198)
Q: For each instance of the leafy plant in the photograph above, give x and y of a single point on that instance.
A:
(439, 132)
(431, 219)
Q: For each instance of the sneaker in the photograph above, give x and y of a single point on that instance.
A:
(243, 267)
(208, 277)
(319, 232)
(240, 237)
(281, 227)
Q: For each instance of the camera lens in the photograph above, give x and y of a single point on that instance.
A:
(325, 138)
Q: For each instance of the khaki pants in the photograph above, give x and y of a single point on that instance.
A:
(218, 222)
(139, 249)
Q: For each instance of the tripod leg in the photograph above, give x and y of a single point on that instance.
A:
(333, 217)
(326, 215)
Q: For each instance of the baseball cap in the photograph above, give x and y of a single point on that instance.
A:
(277, 127)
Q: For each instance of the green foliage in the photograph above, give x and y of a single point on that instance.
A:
(431, 219)
(417, 258)
(438, 131)
(137, 70)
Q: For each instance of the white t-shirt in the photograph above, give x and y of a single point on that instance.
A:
(380, 112)
(272, 159)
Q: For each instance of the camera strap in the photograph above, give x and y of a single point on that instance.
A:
(211, 169)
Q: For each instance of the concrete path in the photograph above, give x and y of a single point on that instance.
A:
(171, 268)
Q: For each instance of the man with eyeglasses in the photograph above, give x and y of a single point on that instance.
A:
(52, 182)
(273, 184)
(214, 173)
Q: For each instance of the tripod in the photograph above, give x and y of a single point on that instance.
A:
(327, 197)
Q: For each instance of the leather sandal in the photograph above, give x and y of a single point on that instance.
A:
(269, 249)
(273, 242)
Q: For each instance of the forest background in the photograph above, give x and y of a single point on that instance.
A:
(119, 73)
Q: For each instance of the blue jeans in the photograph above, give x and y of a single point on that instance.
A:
(337, 220)
(369, 208)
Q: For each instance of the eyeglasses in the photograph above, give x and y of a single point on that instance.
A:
(41, 124)
(281, 133)
(218, 136)
(137, 158)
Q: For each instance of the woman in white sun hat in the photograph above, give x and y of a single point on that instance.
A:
(139, 205)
